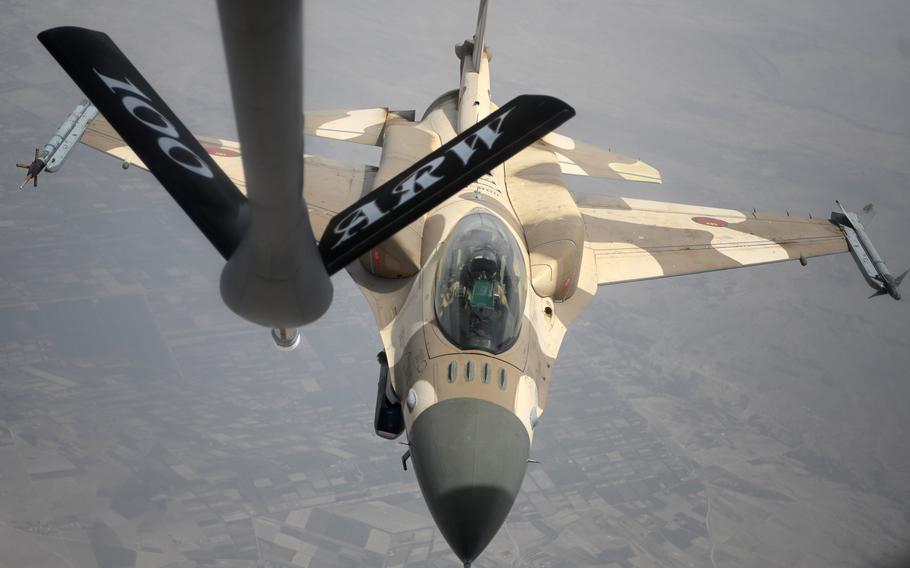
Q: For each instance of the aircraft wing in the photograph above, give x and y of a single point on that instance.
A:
(364, 126)
(331, 185)
(583, 159)
(634, 239)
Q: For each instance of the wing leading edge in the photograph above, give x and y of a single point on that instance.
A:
(634, 239)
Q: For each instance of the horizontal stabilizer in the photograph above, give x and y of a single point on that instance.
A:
(363, 126)
(412, 193)
(153, 131)
(581, 159)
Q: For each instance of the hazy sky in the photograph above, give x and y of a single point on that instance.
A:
(774, 105)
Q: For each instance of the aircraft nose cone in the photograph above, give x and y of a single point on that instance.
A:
(470, 458)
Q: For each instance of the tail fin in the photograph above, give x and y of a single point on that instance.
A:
(481, 28)
(899, 279)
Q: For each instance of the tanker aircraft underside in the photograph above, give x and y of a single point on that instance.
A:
(472, 294)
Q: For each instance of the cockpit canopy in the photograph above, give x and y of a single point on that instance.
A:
(480, 285)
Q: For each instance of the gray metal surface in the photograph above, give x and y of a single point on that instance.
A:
(470, 457)
(66, 137)
(859, 254)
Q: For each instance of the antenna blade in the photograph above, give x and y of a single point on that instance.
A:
(866, 215)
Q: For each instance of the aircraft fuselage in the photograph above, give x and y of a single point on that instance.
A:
(470, 342)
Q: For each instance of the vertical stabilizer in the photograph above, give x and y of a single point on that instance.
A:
(474, 102)
(478, 35)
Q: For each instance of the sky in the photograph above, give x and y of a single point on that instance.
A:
(780, 378)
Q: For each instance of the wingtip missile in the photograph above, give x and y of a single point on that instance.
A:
(887, 284)
(51, 157)
(870, 263)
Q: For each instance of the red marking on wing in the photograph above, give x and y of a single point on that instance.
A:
(710, 221)
(222, 152)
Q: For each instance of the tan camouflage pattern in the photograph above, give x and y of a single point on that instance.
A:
(99, 134)
(570, 244)
(330, 185)
(583, 241)
(635, 239)
(582, 159)
(420, 356)
(364, 126)
(553, 228)
(404, 143)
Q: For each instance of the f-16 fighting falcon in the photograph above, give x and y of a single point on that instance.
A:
(471, 252)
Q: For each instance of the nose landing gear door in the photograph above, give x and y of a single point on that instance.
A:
(388, 421)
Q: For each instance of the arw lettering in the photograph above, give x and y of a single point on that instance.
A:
(486, 135)
(422, 179)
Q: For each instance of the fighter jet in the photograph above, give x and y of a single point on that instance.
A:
(473, 297)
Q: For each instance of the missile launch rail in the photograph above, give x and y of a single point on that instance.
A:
(873, 268)
(51, 157)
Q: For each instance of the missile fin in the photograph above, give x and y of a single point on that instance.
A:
(865, 216)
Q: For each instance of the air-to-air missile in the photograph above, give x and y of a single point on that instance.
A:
(874, 269)
(51, 157)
